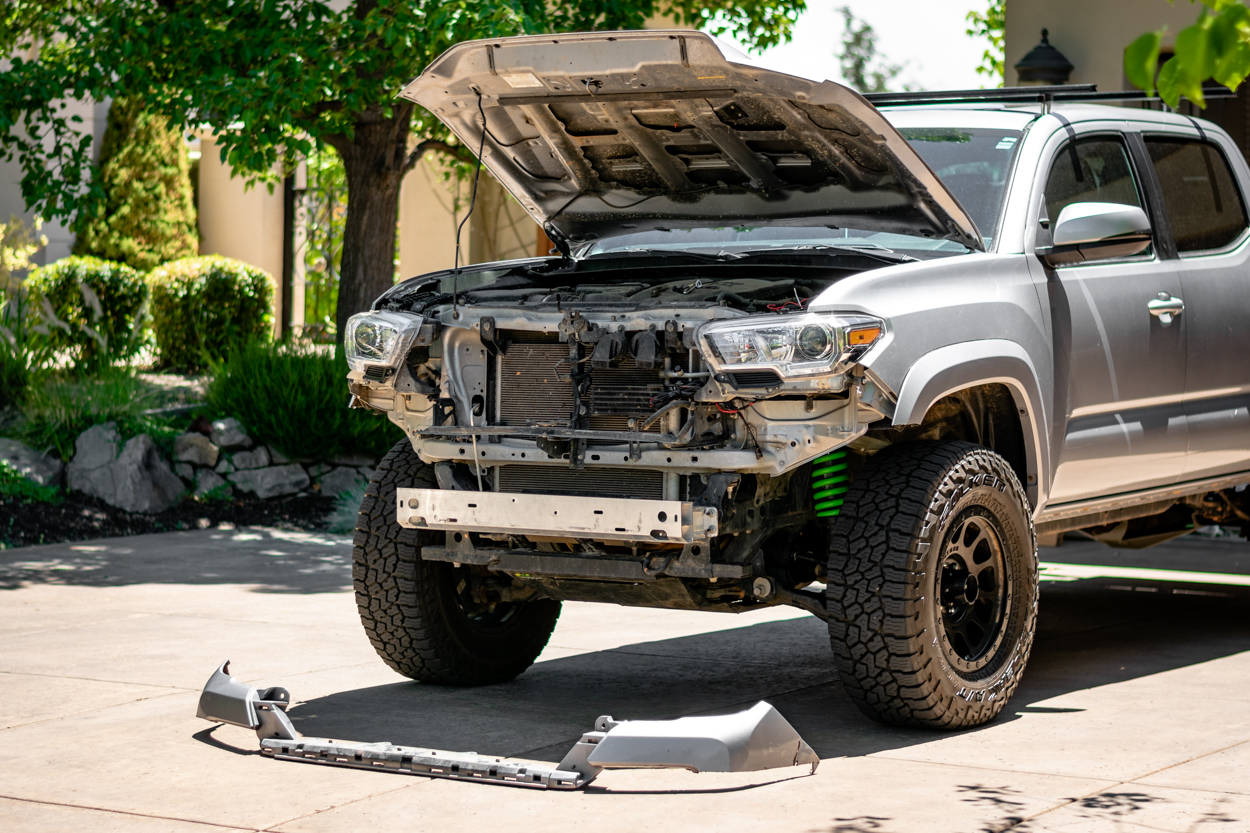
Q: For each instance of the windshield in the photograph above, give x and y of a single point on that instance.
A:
(973, 163)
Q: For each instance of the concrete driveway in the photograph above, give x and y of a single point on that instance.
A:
(1132, 715)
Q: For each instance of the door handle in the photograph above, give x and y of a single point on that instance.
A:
(1165, 307)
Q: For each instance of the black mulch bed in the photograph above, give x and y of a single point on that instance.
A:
(79, 517)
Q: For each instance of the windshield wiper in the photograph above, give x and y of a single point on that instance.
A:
(867, 250)
(714, 258)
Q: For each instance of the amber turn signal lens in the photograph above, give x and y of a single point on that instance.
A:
(862, 336)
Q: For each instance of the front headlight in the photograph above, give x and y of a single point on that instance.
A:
(795, 346)
(379, 338)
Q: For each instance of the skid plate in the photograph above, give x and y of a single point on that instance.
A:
(599, 518)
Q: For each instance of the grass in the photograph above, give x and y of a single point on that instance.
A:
(342, 519)
(295, 399)
(59, 408)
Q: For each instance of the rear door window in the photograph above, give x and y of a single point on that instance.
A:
(1203, 203)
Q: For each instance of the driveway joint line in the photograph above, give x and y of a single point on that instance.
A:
(126, 812)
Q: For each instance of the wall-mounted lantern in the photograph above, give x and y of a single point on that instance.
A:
(1044, 64)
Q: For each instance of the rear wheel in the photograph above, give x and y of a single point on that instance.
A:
(932, 585)
(430, 620)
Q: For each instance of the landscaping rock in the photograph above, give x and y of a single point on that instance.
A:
(339, 480)
(95, 447)
(258, 458)
(137, 480)
(186, 471)
(196, 449)
(273, 481)
(280, 459)
(367, 472)
(229, 435)
(317, 469)
(36, 467)
(207, 481)
(223, 466)
(353, 460)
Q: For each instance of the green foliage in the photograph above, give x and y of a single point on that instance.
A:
(295, 400)
(991, 25)
(147, 216)
(275, 79)
(204, 307)
(15, 486)
(22, 354)
(17, 243)
(1216, 47)
(326, 204)
(862, 67)
(61, 408)
(91, 308)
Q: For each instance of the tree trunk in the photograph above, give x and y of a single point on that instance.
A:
(374, 159)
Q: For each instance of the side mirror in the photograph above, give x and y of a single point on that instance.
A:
(1097, 230)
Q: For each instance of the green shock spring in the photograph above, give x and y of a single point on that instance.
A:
(830, 482)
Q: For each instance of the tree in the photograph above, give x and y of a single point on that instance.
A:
(146, 216)
(1217, 46)
(991, 25)
(276, 78)
(862, 67)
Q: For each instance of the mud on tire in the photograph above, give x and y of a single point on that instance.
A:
(416, 613)
(932, 585)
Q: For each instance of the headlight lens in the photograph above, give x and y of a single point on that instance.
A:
(813, 344)
(379, 338)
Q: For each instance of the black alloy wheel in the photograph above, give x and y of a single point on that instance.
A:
(932, 585)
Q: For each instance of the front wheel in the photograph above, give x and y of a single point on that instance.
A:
(429, 620)
(932, 585)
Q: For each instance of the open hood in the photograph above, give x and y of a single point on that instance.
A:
(604, 133)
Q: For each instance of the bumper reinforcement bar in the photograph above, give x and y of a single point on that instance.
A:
(565, 516)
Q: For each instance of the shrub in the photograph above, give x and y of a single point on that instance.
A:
(147, 216)
(204, 307)
(23, 353)
(92, 308)
(15, 486)
(295, 399)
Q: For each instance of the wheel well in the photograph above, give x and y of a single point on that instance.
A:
(983, 414)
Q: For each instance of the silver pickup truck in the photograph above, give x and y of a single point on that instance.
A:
(795, 349)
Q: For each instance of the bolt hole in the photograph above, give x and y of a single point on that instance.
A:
(663, 516)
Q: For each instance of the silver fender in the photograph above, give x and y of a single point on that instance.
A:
(988, 361)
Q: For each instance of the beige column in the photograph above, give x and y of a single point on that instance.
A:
(239, 222)
(428, 216)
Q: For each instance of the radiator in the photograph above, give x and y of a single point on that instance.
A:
(530, 390)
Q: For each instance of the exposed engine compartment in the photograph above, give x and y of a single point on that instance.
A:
(587, 380)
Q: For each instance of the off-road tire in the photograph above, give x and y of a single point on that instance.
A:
(891, 547)
(408, 606)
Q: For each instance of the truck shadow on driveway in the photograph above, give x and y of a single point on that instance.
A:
(1090, 634)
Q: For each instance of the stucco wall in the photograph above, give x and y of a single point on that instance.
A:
(236, 221)
(1091, 34)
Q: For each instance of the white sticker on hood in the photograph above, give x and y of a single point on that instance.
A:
(521, 79)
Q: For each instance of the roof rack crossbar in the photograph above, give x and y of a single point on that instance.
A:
(1044, 95)
(996, 94)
